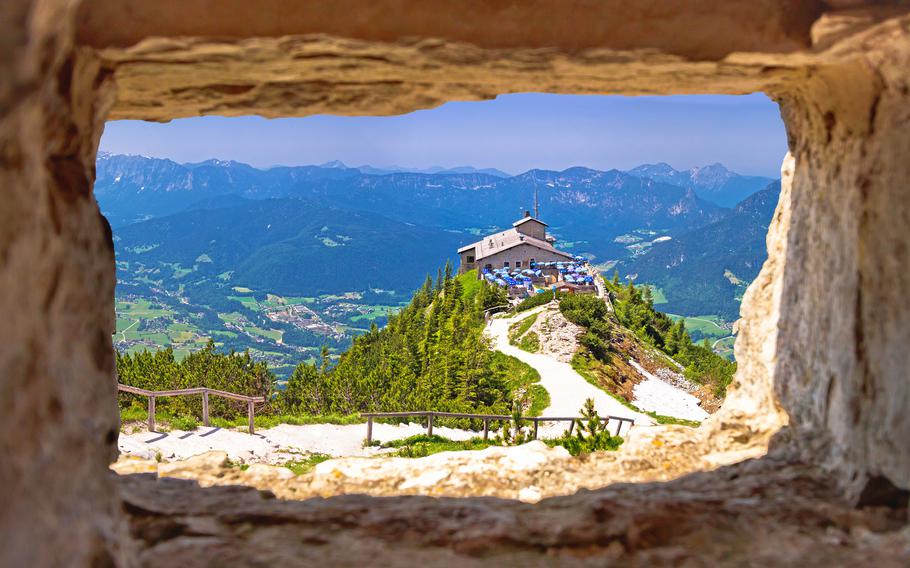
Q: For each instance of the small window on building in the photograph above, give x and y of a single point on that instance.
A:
(533, 262)
(489, 267)
(470, 259)
(517, 264)
(505, 264)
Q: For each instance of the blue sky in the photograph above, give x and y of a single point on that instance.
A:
(513, 133)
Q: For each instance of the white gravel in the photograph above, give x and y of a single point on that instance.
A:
(658, 396)
(568, 390)
(274, 445)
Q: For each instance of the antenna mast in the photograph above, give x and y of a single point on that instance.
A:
(536, 205)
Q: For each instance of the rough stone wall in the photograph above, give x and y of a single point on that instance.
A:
(843, 367)
(751, 413)
(826, 325)
(58, 426)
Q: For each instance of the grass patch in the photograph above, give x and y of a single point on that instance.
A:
(306, 465)
(164, 421)
(521, 327)
(185, 423)
(582, 367)
(657, 295)
(470, 284)
(138, 413)
(529, 342)
(133, 413)
(273, 334)
(421, 445)
(537, 300)
(523, 381)
(270, 421)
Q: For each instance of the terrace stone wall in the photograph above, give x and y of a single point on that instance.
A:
(823, 339)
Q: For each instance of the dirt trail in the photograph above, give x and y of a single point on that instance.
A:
(274, 445)
(568, 390)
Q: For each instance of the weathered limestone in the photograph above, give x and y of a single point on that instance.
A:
(823, 343)
(843, 367)
(758, 513)
(58, 428)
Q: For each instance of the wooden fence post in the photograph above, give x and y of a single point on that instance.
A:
(249, 412)
(151, 414)
(486, 428)
(369, 429)
(205, 408)
(571, 426)
(618, 426)
(536, 422)
(429, 424)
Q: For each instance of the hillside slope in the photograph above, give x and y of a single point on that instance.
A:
(705, 271)
(289, 246)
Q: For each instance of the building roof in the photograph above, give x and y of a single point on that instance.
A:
(506, 240)
(526, 219)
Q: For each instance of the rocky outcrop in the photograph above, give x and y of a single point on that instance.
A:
(822, 342)
(558, 336)
(762, 512)
(58, 423)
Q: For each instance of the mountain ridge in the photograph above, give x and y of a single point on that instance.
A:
(705, 271)
(713, 182)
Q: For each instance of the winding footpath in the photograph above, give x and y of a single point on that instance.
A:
(568, 390)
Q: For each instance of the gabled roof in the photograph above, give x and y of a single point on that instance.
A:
(506, 240)
(526, 219)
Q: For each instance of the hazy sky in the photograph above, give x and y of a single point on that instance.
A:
(513, 133)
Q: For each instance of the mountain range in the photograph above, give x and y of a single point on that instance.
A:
(706, 270)
(584, 206)
(304, 230)
(714, 183)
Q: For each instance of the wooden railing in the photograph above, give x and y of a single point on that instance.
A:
(430, 415)
(205, 392)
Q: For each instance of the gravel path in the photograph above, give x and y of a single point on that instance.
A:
(274, 445)
(568, 390)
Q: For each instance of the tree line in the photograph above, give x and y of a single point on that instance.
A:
(431, 355)
(634, 309)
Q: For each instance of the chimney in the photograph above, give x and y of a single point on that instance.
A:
(527, 214)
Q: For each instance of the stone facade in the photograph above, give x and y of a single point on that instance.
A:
(526, 242)
(822, 344)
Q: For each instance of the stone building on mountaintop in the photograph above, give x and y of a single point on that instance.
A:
(516, 248)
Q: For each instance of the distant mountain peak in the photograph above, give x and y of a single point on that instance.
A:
(716, 167)
(713, 182)
(659, 168)
(338, 164)
(374, 170)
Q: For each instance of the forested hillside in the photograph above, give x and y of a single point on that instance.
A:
(635, 313)
(287, 246)
(706, 271)
(431, 355)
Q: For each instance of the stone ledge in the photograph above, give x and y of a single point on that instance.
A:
(763, 512)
